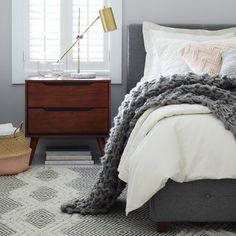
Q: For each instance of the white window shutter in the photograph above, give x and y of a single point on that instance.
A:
(92, 45)
(44, 30)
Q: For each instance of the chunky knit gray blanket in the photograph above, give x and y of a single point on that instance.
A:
(217, 93)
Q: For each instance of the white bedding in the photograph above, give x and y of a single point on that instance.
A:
(179, 142)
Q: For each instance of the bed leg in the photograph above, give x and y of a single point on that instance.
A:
(162, 227)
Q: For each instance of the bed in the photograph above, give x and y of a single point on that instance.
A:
(197, 201)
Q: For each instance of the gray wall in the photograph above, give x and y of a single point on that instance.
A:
(180, 11)
(134, 11)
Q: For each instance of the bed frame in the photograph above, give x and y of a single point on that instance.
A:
(197, 201)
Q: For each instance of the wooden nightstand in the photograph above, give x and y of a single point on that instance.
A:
(67, 108)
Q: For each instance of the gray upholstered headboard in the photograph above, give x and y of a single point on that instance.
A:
(136, 52)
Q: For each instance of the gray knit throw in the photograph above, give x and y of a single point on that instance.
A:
(217, 93)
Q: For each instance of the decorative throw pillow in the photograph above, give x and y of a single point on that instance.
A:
(205, 58)
(169, 56)
(229, 63)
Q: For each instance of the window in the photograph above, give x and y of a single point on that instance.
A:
(44, 29)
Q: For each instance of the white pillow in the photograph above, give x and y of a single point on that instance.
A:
(229, 63)
(153, 30)
(170, 58)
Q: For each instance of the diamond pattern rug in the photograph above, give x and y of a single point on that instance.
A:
(30, 206)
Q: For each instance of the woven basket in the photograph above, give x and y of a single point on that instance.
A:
(14, 153)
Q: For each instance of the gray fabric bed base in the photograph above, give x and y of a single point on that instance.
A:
(198, 201)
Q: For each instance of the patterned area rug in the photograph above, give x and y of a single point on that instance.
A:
(30, 206)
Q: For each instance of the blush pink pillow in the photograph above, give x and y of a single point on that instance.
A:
(204, 58)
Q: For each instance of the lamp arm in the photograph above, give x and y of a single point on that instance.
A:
(82, 35)
(64, 54)
(78, 38)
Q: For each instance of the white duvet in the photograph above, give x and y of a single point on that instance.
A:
(179, 142)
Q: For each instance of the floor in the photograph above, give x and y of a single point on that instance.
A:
(30, 205)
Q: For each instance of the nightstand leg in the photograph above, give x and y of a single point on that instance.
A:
(33, 145)
(101, 145)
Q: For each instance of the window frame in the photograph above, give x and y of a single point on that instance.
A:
(19, 31)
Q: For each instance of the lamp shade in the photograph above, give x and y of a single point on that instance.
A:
(108, 19)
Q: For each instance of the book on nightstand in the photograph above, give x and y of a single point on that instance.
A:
(69, 162)
(68, 156)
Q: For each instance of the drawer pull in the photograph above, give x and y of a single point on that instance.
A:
(52, 109)
(81, 84)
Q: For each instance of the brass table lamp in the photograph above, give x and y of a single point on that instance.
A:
(108, 23)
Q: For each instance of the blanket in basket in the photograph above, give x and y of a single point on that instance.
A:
(218, 93)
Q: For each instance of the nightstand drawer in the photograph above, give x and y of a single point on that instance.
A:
(68, 94)
(68, 121)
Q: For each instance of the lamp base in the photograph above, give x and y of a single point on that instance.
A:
(83, 75)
